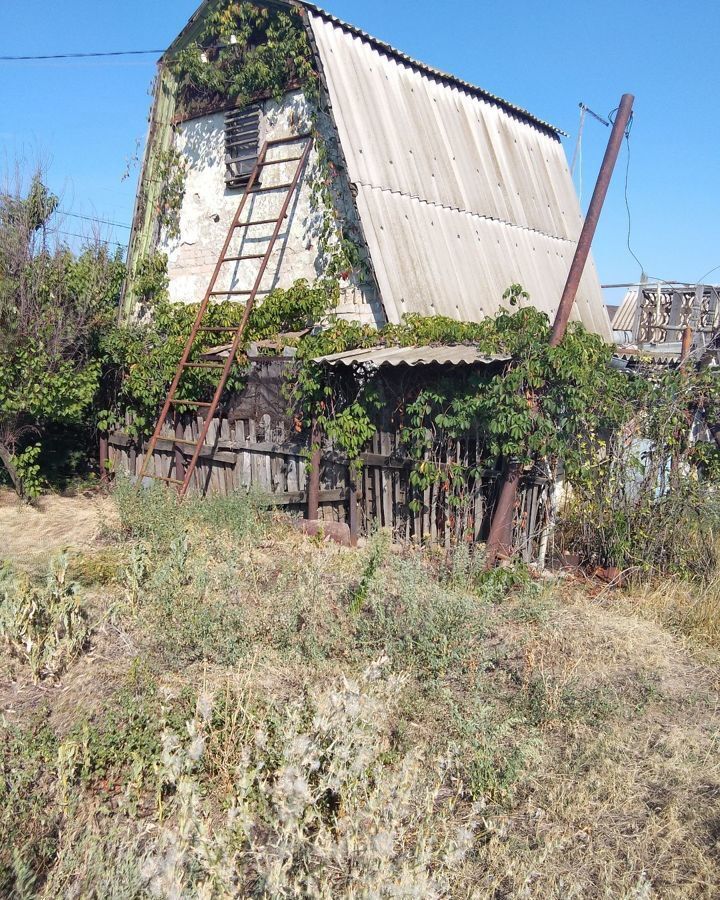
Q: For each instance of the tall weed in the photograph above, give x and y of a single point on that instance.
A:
(44, 625)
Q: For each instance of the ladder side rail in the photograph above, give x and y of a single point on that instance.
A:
(243, 322)
(198, 318)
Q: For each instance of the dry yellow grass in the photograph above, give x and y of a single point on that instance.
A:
(31, 534)
(584, 722)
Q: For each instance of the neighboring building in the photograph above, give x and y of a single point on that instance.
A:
(656, 313)
(449, 193)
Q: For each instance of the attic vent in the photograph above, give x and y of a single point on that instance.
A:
(242, 136)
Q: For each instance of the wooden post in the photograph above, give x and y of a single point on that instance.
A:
(179, 456)
(313, 491)
(103, 457)
(353, 511)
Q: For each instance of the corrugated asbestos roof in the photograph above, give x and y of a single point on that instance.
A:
(458, 196)
(624, 318)
(453, 355)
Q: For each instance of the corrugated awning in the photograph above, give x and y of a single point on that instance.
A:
(454, 355)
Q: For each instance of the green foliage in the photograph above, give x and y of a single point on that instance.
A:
(145, 354)
(55, 308)
(171, 172)
(28, 468)
(245, 51)
(542, 402)
(44, 625)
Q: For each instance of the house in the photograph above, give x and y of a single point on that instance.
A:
(655, 314)
(444, 193)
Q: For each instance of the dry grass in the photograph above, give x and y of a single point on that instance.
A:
(536, 741)
(690, 608)
(32, 534)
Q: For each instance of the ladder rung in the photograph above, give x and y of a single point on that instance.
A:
(163, 478)
(276, 162)
(189, 403)
(275, 142)
(259, 222)
(228, 293)
(238, 258)
(271, 187)
(195, 365)
(219, 328)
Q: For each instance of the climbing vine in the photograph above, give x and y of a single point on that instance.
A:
(244, 51)
(144, 355)
(534, 401)
(171, 173)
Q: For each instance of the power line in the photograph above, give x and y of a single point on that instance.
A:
(103, 53)
(84, 237)
(79, 55)
(709, 272)
(627, 200)
(95, 219)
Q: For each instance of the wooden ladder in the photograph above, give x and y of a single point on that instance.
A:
(304, 144)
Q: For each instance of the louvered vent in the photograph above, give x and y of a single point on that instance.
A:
(242, 135)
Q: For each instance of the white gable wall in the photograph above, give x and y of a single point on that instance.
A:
(208, 208)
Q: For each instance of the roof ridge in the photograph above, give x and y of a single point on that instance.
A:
(467, 86)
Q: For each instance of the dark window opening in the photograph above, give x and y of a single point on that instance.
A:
(242, 136)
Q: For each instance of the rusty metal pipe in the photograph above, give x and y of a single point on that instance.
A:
(499, 542)
(685, 347)
(582, 250)
(313, 490)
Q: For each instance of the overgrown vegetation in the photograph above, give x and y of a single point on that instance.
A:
(245, 51)
(361, 723)
(55, 308)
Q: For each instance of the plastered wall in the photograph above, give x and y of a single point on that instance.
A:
(208, 207)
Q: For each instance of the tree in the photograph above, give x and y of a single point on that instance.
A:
(54, 309)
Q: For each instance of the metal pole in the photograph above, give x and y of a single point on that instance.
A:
(313, 491)
(591, 219)
(499, 540)
(685, 347)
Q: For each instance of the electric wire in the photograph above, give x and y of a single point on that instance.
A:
(709, 272)
(102, 53)
(78, 55)
(64, 212)
(84, 237)
(611, 117)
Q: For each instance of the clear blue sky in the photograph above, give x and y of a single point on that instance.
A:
(84, 118)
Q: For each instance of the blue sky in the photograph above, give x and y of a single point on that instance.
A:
(83, 119)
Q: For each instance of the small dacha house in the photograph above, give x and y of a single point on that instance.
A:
(422, 194)
(448, 193)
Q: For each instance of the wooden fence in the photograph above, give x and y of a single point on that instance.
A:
(265, 455)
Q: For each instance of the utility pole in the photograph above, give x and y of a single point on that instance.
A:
(582, 251)
(499, 541)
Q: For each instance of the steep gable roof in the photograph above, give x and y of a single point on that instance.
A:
(460, 193)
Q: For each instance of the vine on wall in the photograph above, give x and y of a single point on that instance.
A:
(243, 52)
